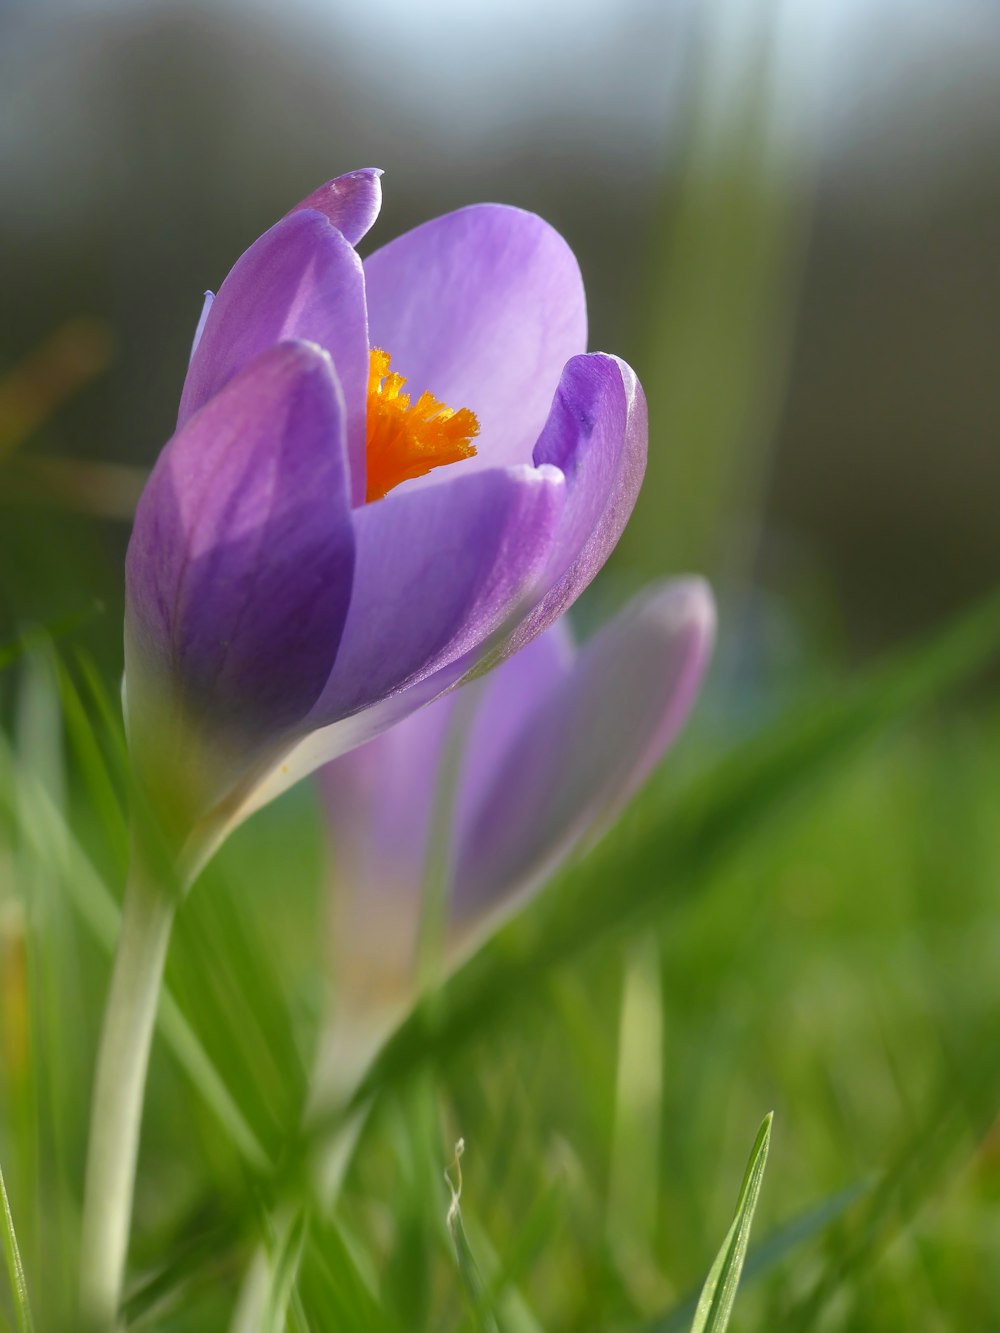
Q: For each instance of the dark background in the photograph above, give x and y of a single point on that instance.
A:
(787, 218)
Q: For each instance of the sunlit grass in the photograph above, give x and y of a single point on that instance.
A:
(805, 929)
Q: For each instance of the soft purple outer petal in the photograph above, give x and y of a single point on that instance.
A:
(380, 798)
(300, 280)
(587, 746)
(438, 571)
(342, 737)
(482, 308)
(351, 202)
(508, 697)
(238, 573)
(597, 434)
(598, 427)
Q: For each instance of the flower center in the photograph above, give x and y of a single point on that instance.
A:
(407, 440)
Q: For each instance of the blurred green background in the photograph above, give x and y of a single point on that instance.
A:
(787, 219)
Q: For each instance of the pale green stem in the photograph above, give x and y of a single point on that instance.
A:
(119, 1085)
(347, 1053)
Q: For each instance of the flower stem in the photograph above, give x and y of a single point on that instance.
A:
(119, 1085)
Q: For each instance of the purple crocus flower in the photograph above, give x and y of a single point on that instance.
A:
(556, 742)
(317, 552)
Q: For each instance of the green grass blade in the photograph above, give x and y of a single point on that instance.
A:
(282, 1305)
(774, 1248)
(719, 1291)
(15, 1270)
(472, 1279)
(959, 1120)
(40, 636)
(337, 1289)
(54, 844)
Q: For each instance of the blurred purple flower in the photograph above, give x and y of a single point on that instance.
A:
(559, 740)
(274, 618)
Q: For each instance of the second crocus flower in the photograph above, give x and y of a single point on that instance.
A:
(540, 757)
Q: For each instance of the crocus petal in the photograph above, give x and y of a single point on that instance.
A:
(438, 571)
(238, 574)
(589, 743)
(381, 796)
(596, 433)
(439, 574)
(505, 701)
(300, 280)
(382, 800)
(482, 308)
(327, 743)
(351, 202)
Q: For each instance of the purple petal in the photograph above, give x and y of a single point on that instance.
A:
(482, 308)
(380, 796)
(509, 696)
(380, 799)
(438, 571)
(597, 434)
(346, 735)
(587, 746)
(351, 202)
(238, 574)
(300, 280)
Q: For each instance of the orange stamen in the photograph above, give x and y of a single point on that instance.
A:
(407, 441)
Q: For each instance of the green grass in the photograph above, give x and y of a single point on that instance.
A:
(805, 921)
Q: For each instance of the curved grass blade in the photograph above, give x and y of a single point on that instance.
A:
(774, 1248)
(957, 1122)
(282, 1302)
(53, 842)
(483, 1316)
(40, 636)
(15, 1270)
(719, 1291)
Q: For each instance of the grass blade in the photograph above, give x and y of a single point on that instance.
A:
(774, 1248)
(919, 1170)
(468, 1269)
(55, 846)
(285, 1270)
(719, 1291)
(15, 1270)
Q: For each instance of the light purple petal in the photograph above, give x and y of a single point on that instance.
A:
(597, 434)
(339, 738)
(380, 799)
(508, 696)
(438, 571)
(351, 202)
(380, 796)
(238, 574)
(482, 308)
(587, 746)
(300, 280)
